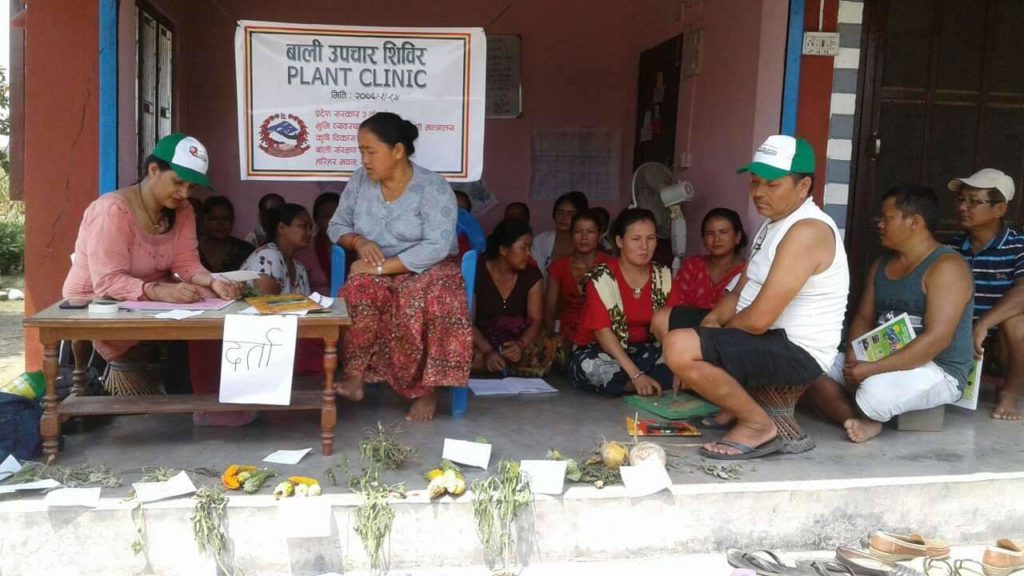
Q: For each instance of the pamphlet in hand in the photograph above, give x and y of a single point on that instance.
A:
(897, 333)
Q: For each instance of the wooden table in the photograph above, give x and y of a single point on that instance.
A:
(55, 324)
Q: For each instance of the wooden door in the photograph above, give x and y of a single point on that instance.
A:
(657, 102)
(942, 96)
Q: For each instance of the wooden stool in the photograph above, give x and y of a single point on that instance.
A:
(779, 404)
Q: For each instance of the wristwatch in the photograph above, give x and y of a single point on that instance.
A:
(380, 270)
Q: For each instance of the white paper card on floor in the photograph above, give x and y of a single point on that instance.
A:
(82, 497)
(646, 478)
(178, 485)
(545, 476)
(258, 359)
(304, 517)
(287, 456)
(511, 385)
(37, 485)
(8, 467)
(468, 453)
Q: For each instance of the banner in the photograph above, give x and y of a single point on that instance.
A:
(303, 90)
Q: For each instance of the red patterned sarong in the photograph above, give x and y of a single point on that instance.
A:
(409, 330)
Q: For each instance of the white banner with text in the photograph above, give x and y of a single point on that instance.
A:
(304, 89)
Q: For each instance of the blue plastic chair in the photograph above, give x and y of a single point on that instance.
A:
(460, 396)
(468, 225)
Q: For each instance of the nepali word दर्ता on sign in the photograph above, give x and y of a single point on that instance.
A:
(304, 89)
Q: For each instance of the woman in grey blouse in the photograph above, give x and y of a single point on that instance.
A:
(410, 324)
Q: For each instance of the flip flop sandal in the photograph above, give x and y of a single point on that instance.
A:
(863, 564)
(746, 452)
(960, 568)
(763, 562)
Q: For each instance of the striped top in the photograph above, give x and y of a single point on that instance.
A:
(996, 267)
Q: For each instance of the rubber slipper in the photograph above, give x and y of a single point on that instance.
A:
(763, 562)
(863, 564)
(746, 452)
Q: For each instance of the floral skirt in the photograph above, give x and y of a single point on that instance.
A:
(591, 368)
(411, 331)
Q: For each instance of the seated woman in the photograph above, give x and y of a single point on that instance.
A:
(317, 256)
(703, 280)
(510, 306)
(219, 251)
(550, 246)
(563, 299)
(410, 323)
(132, 245)
(290, 229)
(614, 352)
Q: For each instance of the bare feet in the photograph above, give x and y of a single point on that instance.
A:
(1006, 408)
(861, 429)
(350, 388)
(423, 408)
(754, 435)
(724, 418)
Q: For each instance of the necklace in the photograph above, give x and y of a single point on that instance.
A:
(157, 227)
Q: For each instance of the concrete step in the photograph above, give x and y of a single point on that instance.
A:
(583, 525)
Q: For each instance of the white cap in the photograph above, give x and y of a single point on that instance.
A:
(984, 179)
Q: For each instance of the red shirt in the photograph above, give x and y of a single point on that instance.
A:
(637, 310)
(570, 299)
(693, 287)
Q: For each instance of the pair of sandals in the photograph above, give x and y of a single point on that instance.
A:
(849, 562)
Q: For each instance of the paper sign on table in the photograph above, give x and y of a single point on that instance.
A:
(37, 485)
(237, 276)
(646, 478)
(178, 314)
(8, 467)
(304, 517)
(178, 485)
(546, 476)
(468, 453)
(84, 497)
(287, 456)
(258, 359)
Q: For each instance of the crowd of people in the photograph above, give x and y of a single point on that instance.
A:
(590, 298)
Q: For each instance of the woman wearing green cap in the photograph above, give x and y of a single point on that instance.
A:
(139, 242)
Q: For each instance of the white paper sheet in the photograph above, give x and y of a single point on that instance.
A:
(8, 467)
(237, 276)
(37, 485)
(546, 476)
(468, 453)
(179, 314)
(84, 497)
(646, 478)
(178, 485)
(258, 359)
(304, 517)
(287, 456)
(511, 385)
(322, 300)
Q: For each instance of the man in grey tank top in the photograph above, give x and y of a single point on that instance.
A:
(933, 285)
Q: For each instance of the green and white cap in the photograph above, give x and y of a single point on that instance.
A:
(781, 156)
(186, 155)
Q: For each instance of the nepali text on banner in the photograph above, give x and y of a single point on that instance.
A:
(304, 89)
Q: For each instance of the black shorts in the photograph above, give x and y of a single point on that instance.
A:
(685, 317)
(758, 361)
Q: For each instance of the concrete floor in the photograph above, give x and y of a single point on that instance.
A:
(525, 428)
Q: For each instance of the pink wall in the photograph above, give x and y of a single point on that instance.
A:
(732, 104)
(579, 68)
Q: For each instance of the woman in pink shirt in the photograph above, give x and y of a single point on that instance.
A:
(139, 242)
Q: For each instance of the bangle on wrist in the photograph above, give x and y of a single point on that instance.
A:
(638, 374)
(380, 270)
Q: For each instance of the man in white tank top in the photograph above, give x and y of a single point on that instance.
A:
(781, 325)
